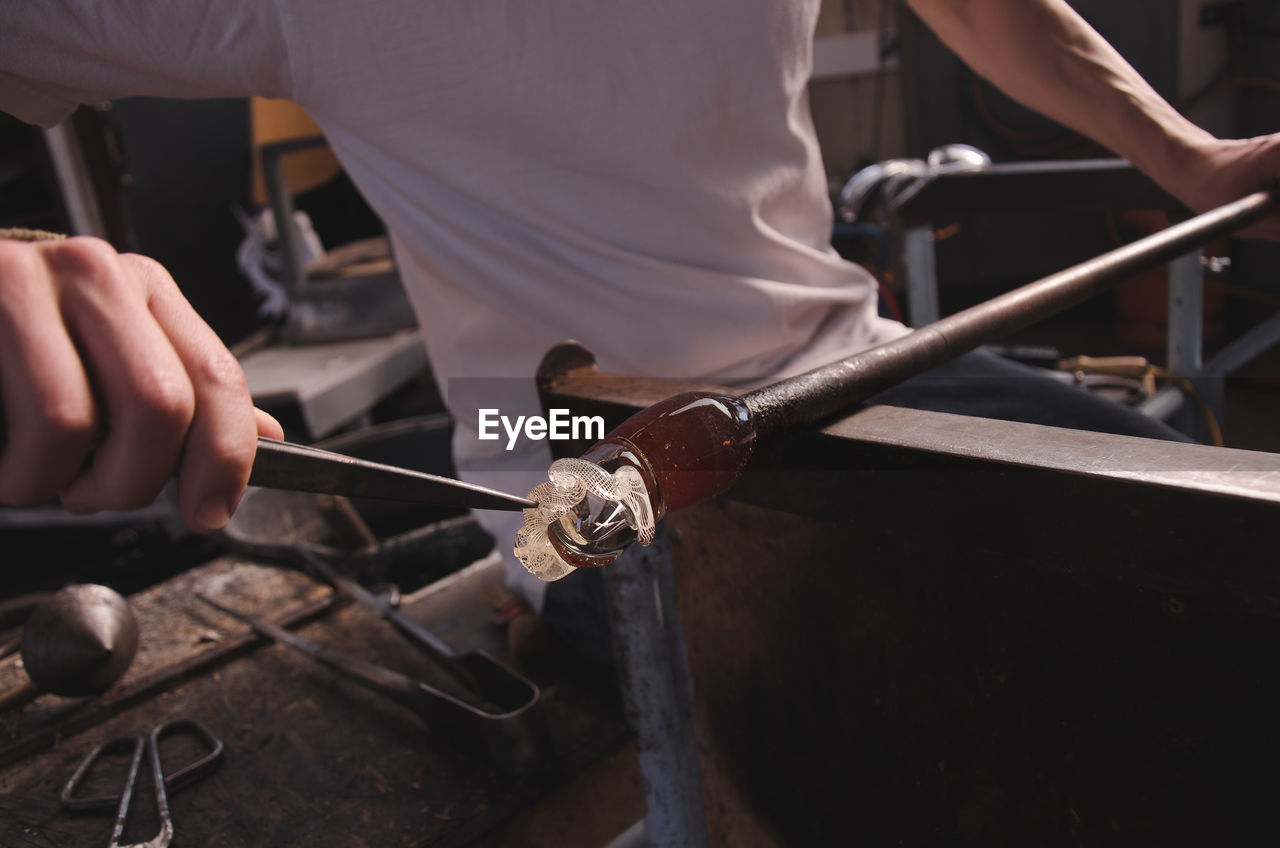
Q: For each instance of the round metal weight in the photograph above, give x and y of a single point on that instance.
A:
(79, 641)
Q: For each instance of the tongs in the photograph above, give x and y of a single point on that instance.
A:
(301, 468)
(502, 724)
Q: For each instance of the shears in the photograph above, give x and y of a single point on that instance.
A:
(301, 468)
(164, 782)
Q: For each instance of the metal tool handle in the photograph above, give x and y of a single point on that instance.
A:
(407, 626)
(140, 745)
(392, 684)
(301, 468)
(822, 392)
(173, 781)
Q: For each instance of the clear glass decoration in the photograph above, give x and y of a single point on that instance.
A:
(687, 448)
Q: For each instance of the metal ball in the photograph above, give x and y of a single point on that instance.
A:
(79, 641)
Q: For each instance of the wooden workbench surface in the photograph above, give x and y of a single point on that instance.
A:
(310, 758)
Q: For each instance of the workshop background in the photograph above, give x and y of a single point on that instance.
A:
(187, 183)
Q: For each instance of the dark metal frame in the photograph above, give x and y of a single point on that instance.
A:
(1123, 488)
(808, 472)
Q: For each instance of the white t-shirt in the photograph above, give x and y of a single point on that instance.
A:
(641, 177)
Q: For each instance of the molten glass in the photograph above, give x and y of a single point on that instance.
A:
(685, 449)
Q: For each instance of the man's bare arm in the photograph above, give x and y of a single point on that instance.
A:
(1044, 55)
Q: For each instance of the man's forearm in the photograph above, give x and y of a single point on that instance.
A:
(1041, 53)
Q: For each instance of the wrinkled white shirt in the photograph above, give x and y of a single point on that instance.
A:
(641, 177)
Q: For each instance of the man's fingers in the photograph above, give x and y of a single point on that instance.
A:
(95, 344)
(49, 419)
(145, 395)
(223, 435)
(267, 425)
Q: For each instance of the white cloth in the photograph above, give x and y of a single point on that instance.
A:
(641, 177)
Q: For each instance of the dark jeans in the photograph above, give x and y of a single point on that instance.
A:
(989, 386)
(979, 383)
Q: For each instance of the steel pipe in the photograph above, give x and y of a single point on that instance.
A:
(818, 394)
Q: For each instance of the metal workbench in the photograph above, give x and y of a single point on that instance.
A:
(310, 759)
(916, 628)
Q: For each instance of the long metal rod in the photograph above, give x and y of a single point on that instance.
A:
(815, 395)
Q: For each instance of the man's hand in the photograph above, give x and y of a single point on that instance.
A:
(1220, 171)
(111, 383)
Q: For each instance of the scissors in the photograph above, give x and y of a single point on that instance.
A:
(301, 468)
(164, 783)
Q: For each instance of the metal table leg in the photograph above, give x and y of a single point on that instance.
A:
(657, 691)
(922, 276)
(1185, 346)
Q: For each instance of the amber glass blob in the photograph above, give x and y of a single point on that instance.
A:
(688, 448)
